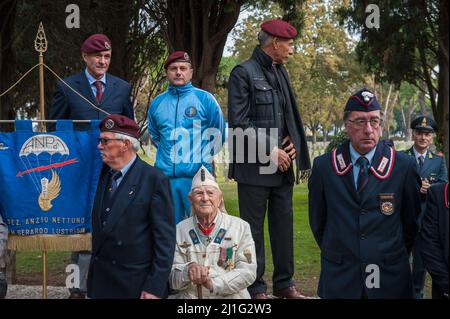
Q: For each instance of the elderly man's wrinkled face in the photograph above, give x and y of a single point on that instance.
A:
(283, 49)
(111, 149)
(205, 200)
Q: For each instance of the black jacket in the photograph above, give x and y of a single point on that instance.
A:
(255, 101)
(434, 238)
(134, 250)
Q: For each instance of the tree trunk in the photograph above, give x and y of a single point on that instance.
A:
(7, 60)
(421, 101)
(200, 27)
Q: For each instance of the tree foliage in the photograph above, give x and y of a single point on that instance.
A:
(411, 44)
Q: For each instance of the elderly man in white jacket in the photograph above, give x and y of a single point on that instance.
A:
(215, 252)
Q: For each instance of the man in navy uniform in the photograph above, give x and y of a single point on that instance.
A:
(432, 169)
(363, 205)
(103, 90)
(434, 239)
(133, 227)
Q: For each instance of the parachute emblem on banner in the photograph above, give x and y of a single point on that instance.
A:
(52, 150)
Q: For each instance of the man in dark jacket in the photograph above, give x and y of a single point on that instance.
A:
(363, 205)
(133, 227)
(96, 87)
(432, 169)
(261, 106)
(434, 239)
(96, 94)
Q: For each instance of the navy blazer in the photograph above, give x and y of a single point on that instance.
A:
(67, 104)
(377, 229)
(434, 239)
(133, 251)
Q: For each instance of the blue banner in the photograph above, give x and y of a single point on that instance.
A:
(48, 180)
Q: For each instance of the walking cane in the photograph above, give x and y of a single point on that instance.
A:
(199, 291)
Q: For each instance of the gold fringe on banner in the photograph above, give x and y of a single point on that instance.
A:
(78, 242)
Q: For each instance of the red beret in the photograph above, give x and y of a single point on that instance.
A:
(96, 43)
(177, 56)
(279, 28)
(116, 123)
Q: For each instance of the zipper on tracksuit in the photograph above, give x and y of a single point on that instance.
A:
(175, 126)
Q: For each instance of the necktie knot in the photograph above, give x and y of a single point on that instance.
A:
(99, 86)
(115, 175)
(362, 162)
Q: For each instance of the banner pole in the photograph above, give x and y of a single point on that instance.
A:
(44, 274)
(40, 45)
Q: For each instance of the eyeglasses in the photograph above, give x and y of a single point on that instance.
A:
(360, 123)
(104, 141)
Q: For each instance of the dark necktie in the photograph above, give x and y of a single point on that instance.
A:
(363, 176)
(421, 161)
(99, 86)
(115, 175)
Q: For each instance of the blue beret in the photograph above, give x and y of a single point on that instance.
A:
(364, 101)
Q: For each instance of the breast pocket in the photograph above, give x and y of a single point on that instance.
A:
(263, 101)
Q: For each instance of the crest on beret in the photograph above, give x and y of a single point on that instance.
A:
(109, 124)
(107, 45)
(186, 56)
(367, 96)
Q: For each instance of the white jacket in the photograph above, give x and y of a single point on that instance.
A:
(230, 256)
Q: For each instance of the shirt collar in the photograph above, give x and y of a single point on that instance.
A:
(91, 79)
(417, 154)
(126, 168)
(355, 155)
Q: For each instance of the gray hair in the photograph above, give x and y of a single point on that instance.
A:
(134, 142)
(264, 38)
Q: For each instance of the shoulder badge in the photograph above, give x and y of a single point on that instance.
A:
(194, 237)
(220, 235)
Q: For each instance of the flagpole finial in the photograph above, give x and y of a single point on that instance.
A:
(40, 43)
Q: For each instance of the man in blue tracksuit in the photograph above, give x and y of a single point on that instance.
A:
(187, 126)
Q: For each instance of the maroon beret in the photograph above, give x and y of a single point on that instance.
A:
(96, 43)
(116, 123)
(177, 56)
(279, 28)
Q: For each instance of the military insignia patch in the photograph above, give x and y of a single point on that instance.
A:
(220, 236)
(194, 237)
(367, 96)
(107, 46)
(387, 206)
(190, 111)
(382, 167)
(185, 245)
(109, 124)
